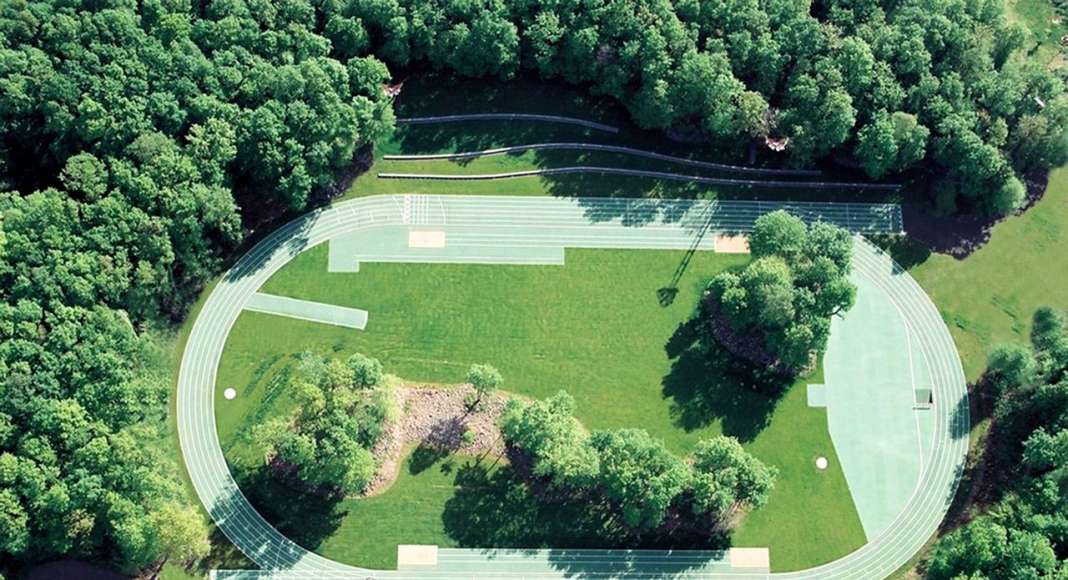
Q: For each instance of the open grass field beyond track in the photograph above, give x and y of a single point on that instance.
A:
(593, 327)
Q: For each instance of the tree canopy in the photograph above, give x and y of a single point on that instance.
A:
(634, 471)
(327, 441)
(726, 477)
(556, 442)
(127, 131)
(788, 293)
(484, 379)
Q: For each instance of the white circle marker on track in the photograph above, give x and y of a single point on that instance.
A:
(821, 463)
(229, 394)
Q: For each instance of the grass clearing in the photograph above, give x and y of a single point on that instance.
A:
(988, 298)
(593, 327)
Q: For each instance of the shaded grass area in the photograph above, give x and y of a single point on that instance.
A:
(594, 327)
(989, 297)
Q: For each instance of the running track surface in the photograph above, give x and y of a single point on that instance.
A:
(280, 557)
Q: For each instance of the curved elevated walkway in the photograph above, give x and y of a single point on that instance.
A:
(606, 149)
(279, 557)
(737, 183)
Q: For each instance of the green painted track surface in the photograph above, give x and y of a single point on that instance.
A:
(872, 369)
(279, 557)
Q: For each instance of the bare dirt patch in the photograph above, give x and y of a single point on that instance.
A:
(436, 418)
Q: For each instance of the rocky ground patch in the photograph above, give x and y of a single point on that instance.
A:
(436, 418)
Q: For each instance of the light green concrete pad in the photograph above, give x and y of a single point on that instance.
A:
(817, 396)
(305, 310)
(872, 366)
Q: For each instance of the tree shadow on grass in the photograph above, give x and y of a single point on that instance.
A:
(495, 508)
(424, 457)
(708, 384)
(306, 518)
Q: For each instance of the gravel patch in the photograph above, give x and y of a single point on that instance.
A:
(436, 417)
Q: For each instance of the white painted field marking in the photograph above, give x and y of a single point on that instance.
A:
(416, 555)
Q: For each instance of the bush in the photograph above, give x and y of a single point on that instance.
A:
(366, 371)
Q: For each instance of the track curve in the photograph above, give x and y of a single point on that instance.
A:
(272, 551)
(742, 183)
(569, 146)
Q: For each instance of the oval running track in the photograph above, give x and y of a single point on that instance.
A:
(280, 557)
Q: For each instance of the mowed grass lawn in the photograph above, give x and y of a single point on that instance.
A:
(988, 298)
(593, 327)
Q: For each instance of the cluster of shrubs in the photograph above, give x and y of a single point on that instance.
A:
(633, 470)
(341, 409)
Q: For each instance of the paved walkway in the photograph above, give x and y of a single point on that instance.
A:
(718, 181)
(281, 558)
(465, 118)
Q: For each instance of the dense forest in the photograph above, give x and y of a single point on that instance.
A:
(1023, 532)
(128, 130)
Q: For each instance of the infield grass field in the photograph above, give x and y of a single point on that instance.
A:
(593, 327)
